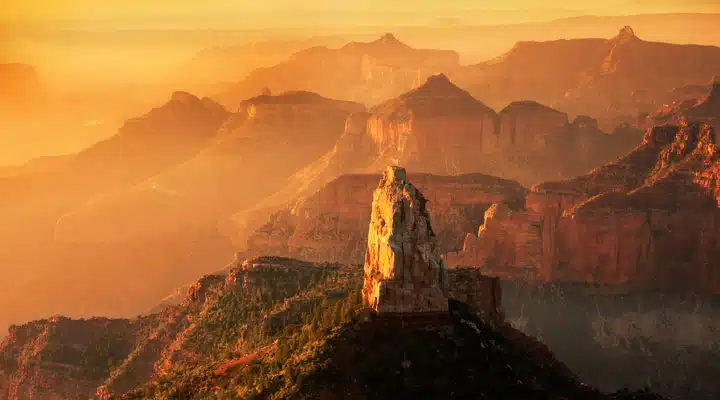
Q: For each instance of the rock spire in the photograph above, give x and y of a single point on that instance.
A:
(403, 268)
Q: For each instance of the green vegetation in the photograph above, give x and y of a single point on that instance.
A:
(254, 338)
(296, 352)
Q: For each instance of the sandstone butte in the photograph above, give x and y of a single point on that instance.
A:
(438, 128)
(649, 218)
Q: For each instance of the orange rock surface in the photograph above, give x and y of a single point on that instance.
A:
(650, 218)
(439, 128)
(332, 223)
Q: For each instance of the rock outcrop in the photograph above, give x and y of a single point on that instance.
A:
(705, 108)
(332, 223)
(433, 128)
(648, 219)
(403, 268)
(525, 124)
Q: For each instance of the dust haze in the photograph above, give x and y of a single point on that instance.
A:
(142, 151)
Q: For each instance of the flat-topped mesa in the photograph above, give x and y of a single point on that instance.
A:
(403, 269)
(435, 128)
(524, 125)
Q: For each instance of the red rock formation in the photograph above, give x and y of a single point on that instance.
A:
(41, 359)
(332, 223)
(439, 128)
(433, 128)
(649, 218)
(525, 124)
(611, 79)
(706, 109)
(403, 268)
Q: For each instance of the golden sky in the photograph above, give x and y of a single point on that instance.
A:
(206, 13)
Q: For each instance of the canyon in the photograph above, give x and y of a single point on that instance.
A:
(65, 358)
(620, 224)
(439, 128)
(239, 309)
(159, 183)
(610, 79)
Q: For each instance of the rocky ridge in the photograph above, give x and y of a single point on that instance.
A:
(706, 109)
(368, 73)
(611, 79)
(646, 219)
(65, 358)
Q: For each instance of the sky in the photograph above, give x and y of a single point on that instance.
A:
(277, 13)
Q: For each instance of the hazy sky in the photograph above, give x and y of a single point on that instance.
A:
(242, 13)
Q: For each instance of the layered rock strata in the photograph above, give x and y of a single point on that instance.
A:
(439, 128)
(403, 268)
(650, 218)
(331, 225)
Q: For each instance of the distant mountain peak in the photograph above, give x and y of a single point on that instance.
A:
(439, 83)
(714, 95)
(389, 39)
(715, 83)
(184, 97)
(626, 34)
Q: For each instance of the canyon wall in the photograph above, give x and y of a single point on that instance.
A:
(524, 125)
(332, 223)
(614, 336)
(439, 128)
(650, 218)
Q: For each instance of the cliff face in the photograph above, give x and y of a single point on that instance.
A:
(332, 223)
(60, 358)
(524, 125)
(611, 79)
(703, 108)
(431, 128)
(634, 338)
(403, 268)
(647, 218)
(439, 128)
